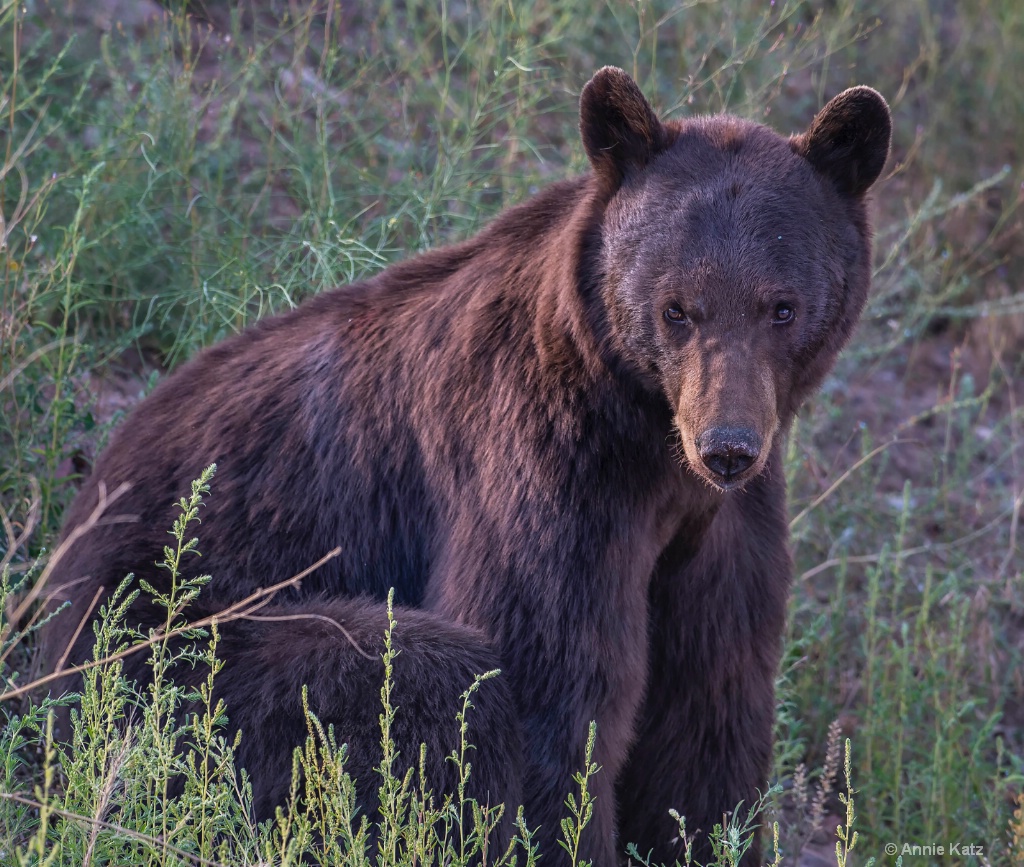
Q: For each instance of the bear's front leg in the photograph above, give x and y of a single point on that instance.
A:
(567, 667)
(573, 640)
(704, 738)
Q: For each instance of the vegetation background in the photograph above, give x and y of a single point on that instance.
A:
(170, 174)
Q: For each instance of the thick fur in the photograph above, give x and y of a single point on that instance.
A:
(436, 660)
(514, 434)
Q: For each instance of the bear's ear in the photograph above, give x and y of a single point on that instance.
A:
(620, 130)
(848, 140)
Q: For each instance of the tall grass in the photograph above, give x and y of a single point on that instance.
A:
(165, 182)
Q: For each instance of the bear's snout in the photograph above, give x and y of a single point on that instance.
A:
(729, 451)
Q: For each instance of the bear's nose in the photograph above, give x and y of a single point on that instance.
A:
(728, 451)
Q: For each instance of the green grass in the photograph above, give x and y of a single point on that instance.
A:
(161, 186)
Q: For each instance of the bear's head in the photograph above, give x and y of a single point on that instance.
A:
(734, 262)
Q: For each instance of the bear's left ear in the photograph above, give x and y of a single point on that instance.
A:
(848, 140)
(620, 130)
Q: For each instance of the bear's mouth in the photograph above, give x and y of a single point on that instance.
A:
(722, 483)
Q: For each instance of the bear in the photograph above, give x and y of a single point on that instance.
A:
(558, 443)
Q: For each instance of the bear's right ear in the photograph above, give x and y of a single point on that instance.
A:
(620, 130)
(848, 140)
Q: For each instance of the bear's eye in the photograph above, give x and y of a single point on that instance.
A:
(676, 316)
(784, 314)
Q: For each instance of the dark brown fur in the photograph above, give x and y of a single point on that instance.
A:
(568, 485)
(437, 660)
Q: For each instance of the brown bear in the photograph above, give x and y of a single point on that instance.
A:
(559, 442)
